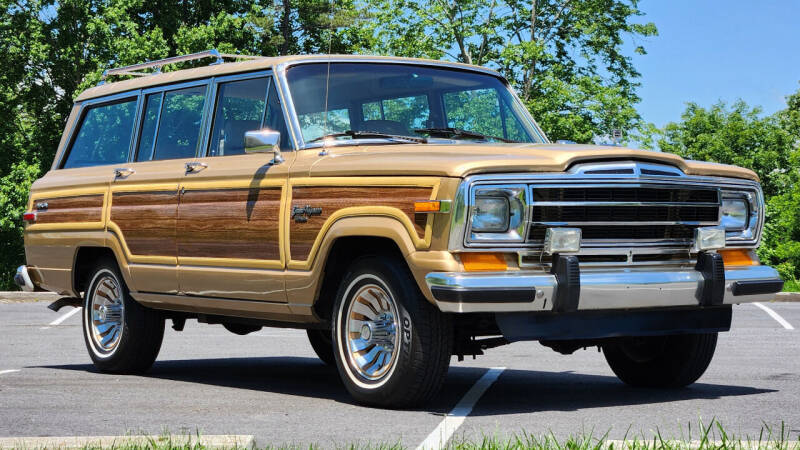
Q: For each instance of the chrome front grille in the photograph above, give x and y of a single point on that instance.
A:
(663, 214)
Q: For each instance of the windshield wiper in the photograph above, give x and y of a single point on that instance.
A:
(370, 134)
(458, 132)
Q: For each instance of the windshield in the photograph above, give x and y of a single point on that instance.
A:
(366, 100)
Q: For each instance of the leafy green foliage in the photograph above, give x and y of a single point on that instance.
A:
(769, 145)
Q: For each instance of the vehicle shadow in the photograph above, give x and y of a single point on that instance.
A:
(516, 391)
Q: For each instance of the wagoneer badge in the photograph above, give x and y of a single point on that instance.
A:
(301, 214)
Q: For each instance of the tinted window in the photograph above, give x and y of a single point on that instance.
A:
(402, 99)
(240, 108)
(180, 123)
(152, 110)
(274, 118)
(104, 135)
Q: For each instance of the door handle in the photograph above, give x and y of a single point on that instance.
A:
(122, 172)
(192, 167)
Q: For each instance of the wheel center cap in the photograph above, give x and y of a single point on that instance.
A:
(366, 332)
(102, 312)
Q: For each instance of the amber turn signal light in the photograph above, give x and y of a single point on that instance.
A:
(432, 206)
(483, 262)
(738, 257)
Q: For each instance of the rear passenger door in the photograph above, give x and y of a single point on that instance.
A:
(229, 231)
(145, 191)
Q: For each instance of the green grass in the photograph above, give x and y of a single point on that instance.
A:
(791, 286)
(702, 437)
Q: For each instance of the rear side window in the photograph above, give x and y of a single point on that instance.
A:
(172, 124)
(104, 135)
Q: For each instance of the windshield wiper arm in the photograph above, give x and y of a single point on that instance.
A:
(370, 134)
(458, 132)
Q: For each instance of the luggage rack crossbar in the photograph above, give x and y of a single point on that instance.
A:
(134, 69)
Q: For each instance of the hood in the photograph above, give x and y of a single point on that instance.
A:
(460, 160)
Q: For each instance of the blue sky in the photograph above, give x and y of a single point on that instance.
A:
(709, 50)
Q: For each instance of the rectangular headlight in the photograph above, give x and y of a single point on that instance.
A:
(734, 215)
(490, 215)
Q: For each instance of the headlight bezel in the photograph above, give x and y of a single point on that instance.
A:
(750, 233)
(517, 222)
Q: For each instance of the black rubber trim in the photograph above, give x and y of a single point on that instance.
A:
(712, 290)
(500, 295)
(531, 326)
(754, 287)
(568, 283)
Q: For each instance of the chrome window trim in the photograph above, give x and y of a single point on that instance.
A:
(459, 226)
(92, 102)
(300, 143)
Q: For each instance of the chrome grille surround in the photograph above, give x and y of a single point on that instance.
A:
(614, 175)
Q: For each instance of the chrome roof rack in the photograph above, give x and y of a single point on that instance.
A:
(158, 64)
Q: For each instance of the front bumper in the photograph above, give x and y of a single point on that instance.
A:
(601, 289)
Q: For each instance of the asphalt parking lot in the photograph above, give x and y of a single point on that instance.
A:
(269, 384)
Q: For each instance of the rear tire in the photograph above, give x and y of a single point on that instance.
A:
(392, 346)
(322, 343)
(121, 335)
(661, 361)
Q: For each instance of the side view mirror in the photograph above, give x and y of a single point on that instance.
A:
(264, 141)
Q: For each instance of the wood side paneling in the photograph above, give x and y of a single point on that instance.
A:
(332, 199)
(147, 221)
(230, 223)
(80, 208)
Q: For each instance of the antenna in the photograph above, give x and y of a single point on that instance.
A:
(324, 151)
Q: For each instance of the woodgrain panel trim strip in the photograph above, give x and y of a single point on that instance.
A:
(241, 224)
(73, 209)
(422, 188)
(145, 222)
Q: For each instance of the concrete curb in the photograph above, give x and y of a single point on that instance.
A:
(181, 441)
(787, 297)
(27, 297)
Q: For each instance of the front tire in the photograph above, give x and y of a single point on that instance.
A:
(121, 335)
(661, 361)
(392, 347)
(322, 344)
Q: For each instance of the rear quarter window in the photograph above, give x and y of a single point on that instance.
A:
(103, 136)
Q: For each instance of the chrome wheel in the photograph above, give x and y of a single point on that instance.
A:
(371, 332)
(106, 313)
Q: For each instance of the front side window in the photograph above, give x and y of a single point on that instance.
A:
(172, 124)
(104, 135)
(240, 108)
(405, 100)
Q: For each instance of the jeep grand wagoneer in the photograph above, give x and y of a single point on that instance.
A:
(402, 211)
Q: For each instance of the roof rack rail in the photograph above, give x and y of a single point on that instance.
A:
(158, 64)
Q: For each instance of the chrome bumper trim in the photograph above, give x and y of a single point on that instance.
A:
(600, 289)
(23, 279)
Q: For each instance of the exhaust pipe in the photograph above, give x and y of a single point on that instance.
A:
(23, 279)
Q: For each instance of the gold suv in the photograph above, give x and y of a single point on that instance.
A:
(402, 211)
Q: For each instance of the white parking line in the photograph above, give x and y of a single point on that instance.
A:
(3, 372)
(775, 316)
(62, 318)
(439, 437)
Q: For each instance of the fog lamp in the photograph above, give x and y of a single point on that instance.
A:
(708, 238)
(564, 240)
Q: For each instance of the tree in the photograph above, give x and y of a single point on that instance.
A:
(57, 49)
(566, 58)
(769, 145)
